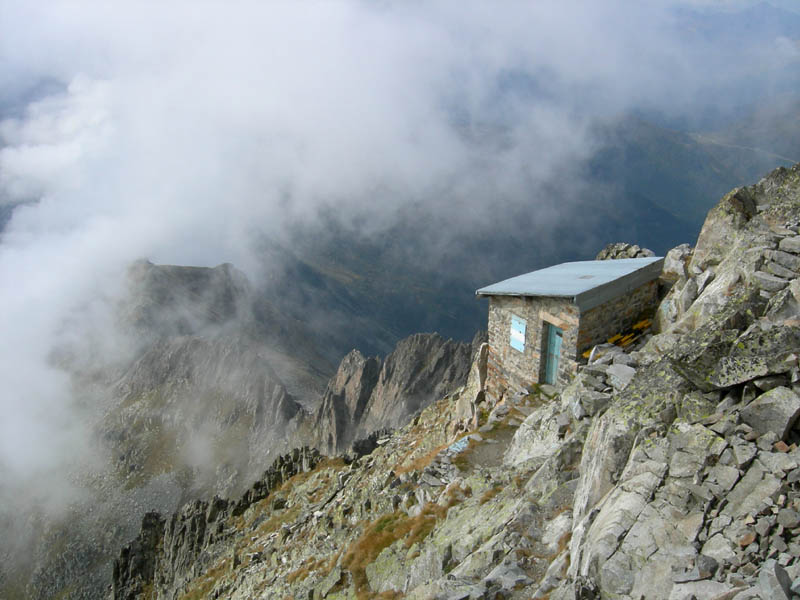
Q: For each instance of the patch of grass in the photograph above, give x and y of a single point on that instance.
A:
(160, 449)
(489, 494)
(300, 478)
(204, 585)
(520, 480)
(419, 463)
(309, 566)
(275, 521)
(388, 529)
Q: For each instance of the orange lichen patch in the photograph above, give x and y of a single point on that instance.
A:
(643, 324)
(613, 339)
(627, 340)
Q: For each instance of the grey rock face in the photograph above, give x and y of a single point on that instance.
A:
(368, 394)
(774, 581)
(421, 369)
(167, 300)
(773, 411)
(675, 263)
(134, 570)
(342, 407)
(167, 553)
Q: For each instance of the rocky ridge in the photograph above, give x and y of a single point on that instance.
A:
(368, 394)
(670, 470)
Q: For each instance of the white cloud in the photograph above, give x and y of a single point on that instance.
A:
(183, 128)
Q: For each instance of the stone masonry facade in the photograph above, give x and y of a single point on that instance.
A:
(616, 316)
(510, 369)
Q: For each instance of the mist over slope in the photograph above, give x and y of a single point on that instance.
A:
(365, 165)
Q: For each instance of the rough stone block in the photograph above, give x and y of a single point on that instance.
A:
(774, 582)
(619, 376)
(780, 271)
(769, 282)
(751, 492)
(773, 411)
(790, 261)
(719, 548)
(788, 518)
(790, 244)
(700, 589)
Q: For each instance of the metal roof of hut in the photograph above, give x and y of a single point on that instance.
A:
(588, 283)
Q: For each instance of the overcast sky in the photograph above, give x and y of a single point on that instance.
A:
(180, 130)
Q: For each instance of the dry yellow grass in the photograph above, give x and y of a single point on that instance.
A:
(489, 494)
(386, 530)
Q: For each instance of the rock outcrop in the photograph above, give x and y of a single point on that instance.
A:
(623, 250)
(368, 394)
(167, 554)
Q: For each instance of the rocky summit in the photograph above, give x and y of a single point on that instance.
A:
(666, 469)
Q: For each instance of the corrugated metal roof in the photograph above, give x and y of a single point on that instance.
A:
(589, 282)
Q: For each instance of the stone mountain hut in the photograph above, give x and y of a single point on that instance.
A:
(540, 323)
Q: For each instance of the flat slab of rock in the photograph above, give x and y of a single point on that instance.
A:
(699, 589)
(774, 581)
(719, 548)
(749, 494)
(790, 244)
(619, 375)
(769, 282)
(775, 410)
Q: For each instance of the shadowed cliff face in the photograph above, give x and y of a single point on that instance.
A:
(368, 394)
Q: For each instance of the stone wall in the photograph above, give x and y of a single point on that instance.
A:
(510, 369)
(616, 316)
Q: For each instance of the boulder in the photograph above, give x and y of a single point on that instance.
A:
(790, 261)
(722, 227)
(774, 581)
(623, 250)
(719, 548)
(699, 589)
(675, 263)
(619, 375)
(790, 244)
(773, 411)
(697, 356)
(751, 492)
(767, 281)
(713, 358)
(508, 576)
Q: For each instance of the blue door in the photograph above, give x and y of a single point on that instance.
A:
(552, 353)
